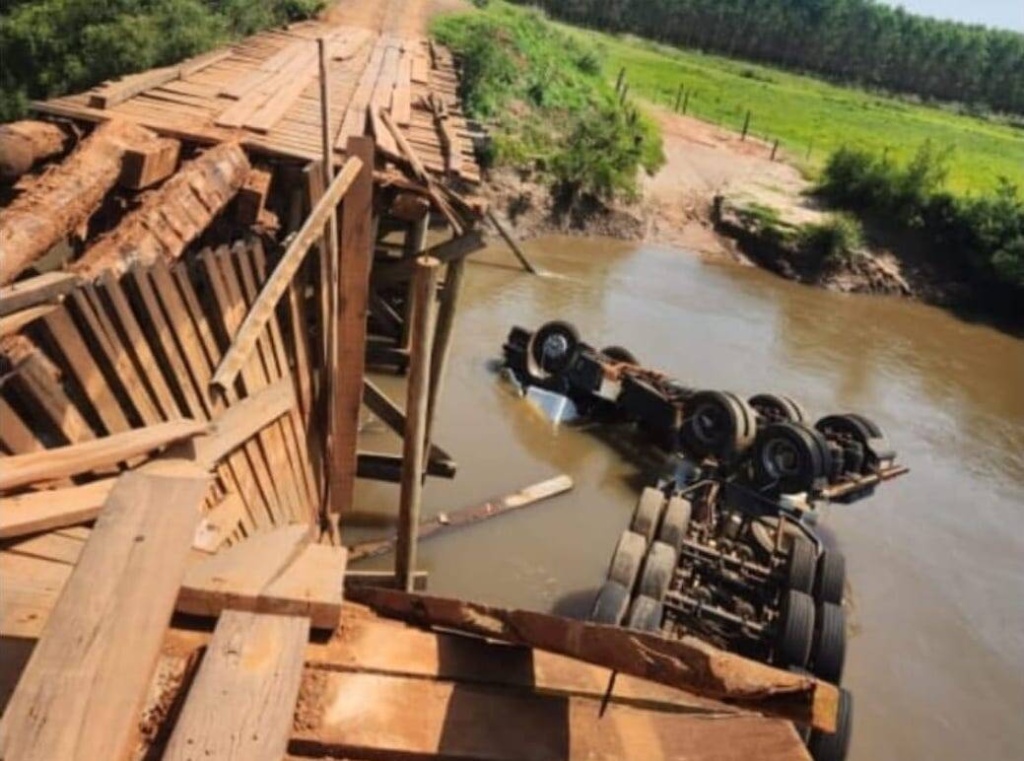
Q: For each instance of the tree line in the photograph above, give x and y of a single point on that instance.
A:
(855, 41)
(53, 47)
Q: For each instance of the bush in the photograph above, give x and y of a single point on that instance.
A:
(548, 105)
(834, 241)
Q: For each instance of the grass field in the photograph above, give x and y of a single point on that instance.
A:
(810, 116)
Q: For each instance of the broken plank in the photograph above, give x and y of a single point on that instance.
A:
(50, 464)
(32, 512)
(242, 702)
(686, 663)
(243, 420)
(15, 322)
(109, 622)
(275, 286)
(40, 289)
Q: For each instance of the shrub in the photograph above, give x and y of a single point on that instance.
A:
(834, 241)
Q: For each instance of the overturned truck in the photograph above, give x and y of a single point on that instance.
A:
(723, 545)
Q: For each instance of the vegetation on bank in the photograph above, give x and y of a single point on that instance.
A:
(547, 104)
(812, 118)
(53, 47)
(980, 236)
(862, 42)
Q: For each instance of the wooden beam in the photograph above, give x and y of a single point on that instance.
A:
(242, 703)
(377, 466)
(252, 196)
(32, 512)
(59, 462)
(263, 308)
(394, 418)
(147, 165)
(531, 495)
(311, 587)
(443, 340)
(414, 446)
(445, 253)
(350, 339)
(41, 289)
(112, 93)
(686, 663)
(82, 690)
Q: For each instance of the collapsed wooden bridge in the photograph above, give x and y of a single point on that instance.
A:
(199, 265)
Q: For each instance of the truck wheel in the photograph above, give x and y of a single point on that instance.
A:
(676, 522)
(860, 430)
(645, 614)
(795, 633)
(834, 747)
(773, 408)
(659, 565)
(801, 565)
(716, 424)
(790, 456)
(552, 349)
(611, 604)
(647, 514)
(831, 580)
(829, 652)
(619, 354)
(629, 554)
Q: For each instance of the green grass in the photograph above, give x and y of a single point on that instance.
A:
(807, 114)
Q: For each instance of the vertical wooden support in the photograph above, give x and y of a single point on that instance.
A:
(686, 102)
(775, 148)
(679, 97)
(746, 125)
(350, 346)
(415, 242)
(443, 340)
(414, 446)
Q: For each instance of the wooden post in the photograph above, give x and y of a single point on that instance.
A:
(527, 265)
(442, 341)
(746, 125)
(350, 338)
(621, 78)
(415, 242)
(414, 445)
(679, 97)
(686, 101)
(775, 147)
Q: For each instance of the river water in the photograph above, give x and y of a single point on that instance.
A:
(935, 559)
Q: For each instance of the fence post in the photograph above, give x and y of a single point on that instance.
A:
(775, 147)
(746, 125)
(679, 97)
(686, 102)
(618, 82)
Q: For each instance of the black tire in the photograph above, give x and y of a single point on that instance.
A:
(794, 634)
(628, 557)
(676, 522)
(716, 424)
(858, 429)
(645, 614)
(619, 354)
(829, 652)
(830, 584)
(772, 408)
(801, 565)
(659, 566)
(790, 456)
(552, 349)
(834, 747)
(873, 428)
(611, 604)
(647, 514)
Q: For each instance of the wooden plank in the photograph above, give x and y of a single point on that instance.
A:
(457, 721)
(263, 310)
(244, 85)
(235, 577)
(29, 513)
(242, 702)
(15, 434)
(420, 72)
(243, 420)
(52, 545)
(350, 346)
(15, 322)
(310, 587)
(31, 588)
(389, 413)
(401, 98)
(24, 469)
(378, 466)
(354, 123)
(271, 112)
(105, 633)
(112, 93)
(219, 523)
(687, 663)
(41, 289)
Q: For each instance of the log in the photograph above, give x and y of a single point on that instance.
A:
(25, 143)
(241, 705)
(82, 691)
(60, 202)
(531, 495)
(50, 464)
(170, 218)
(687, 663)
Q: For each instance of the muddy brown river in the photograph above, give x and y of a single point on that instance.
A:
(935, 559)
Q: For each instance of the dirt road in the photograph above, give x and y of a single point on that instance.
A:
(398, 17)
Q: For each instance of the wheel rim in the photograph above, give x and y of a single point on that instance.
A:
(708, 421)
(781, 459)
